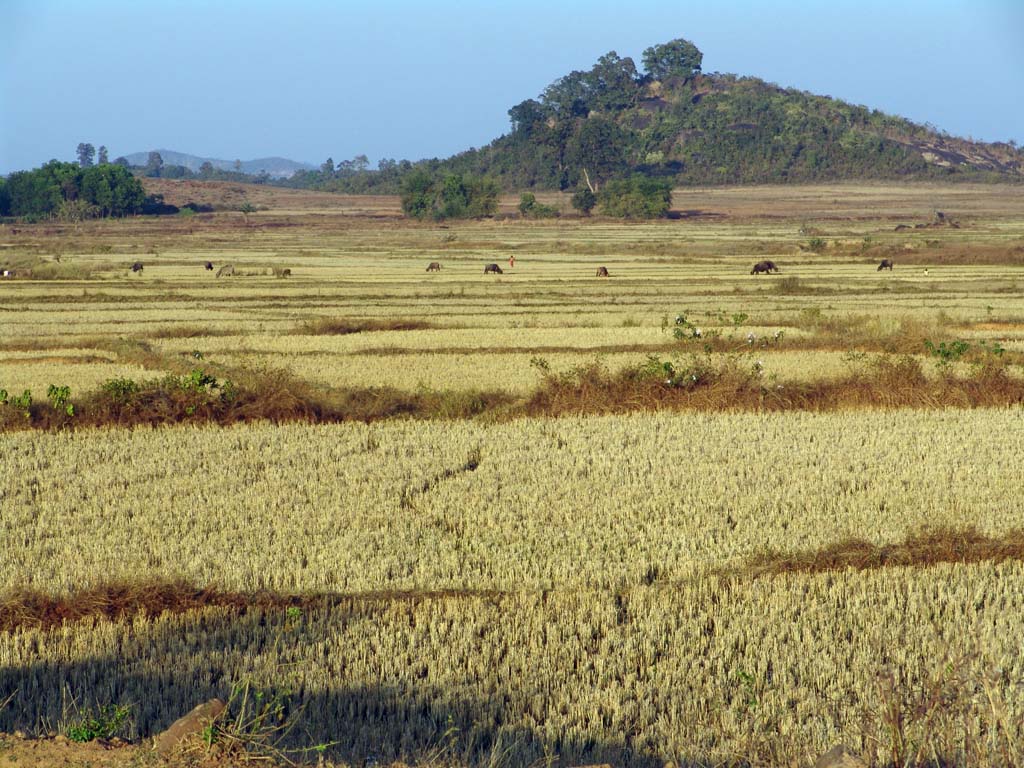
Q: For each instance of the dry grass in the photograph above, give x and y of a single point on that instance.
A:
(29, 608)
(22, 608)
(329, 326)
(612, 626)
(929, 546)
(187, 332)
(225, 395)
(271, 396)
(699, 385)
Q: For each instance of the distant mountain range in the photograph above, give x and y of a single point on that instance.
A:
(277, 167)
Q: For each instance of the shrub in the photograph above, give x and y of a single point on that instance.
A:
(531, 209)
(102, 723)
(119, 390)
(638, 197)
(583, 200)
(453, 196)
(60, 398)
(22, 402)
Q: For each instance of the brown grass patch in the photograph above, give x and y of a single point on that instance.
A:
(218, 395)
(1001, 326)
(952, 254)
(188, 332)
(930, 546)
(22, 608)
(65, 359)
(700, 385)
(267, 395)
(328, 326)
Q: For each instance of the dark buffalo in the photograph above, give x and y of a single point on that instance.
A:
(493, 269)
(886, 264)
(602, 271)
(434, 266)
(137, 266)
(764, 267)
(209, 266)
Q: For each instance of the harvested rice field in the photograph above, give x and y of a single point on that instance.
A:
(681, 515)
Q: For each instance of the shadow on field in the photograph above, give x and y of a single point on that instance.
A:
(164, 670)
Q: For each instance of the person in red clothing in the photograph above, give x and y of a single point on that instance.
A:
(512, 261)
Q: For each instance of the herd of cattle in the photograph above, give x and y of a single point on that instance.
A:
(761, 268)
(225, 271)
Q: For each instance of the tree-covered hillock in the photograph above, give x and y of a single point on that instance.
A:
(71, 192)
(675, 122)
(679, 123)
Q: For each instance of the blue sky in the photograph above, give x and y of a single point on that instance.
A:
(308, 80)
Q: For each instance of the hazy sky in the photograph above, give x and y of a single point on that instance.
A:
(308, 80)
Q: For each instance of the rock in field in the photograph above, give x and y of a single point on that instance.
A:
(191, 724)
(840, 756)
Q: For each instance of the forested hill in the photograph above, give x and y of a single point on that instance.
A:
(711, 129)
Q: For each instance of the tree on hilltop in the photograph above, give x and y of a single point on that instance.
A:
(525, 115)
(86, 152)
(612, 83)
(676, 58)
(154, 164)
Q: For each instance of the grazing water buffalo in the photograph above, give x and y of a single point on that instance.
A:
(493, 269)
(137, 266)
(226, 271)
(602, 271)
(764, 267)
(434, 266)
(209, 266)
(886, 264)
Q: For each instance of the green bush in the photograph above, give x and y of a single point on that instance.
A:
(103, 723)
(120, 390)
(531, 209)
(638, 197)
(583, 200)
(60, 398)
(452, 196)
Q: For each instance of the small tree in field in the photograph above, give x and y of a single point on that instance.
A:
(452, 196)
(584, 201)
(531, 209)
(639, 197)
